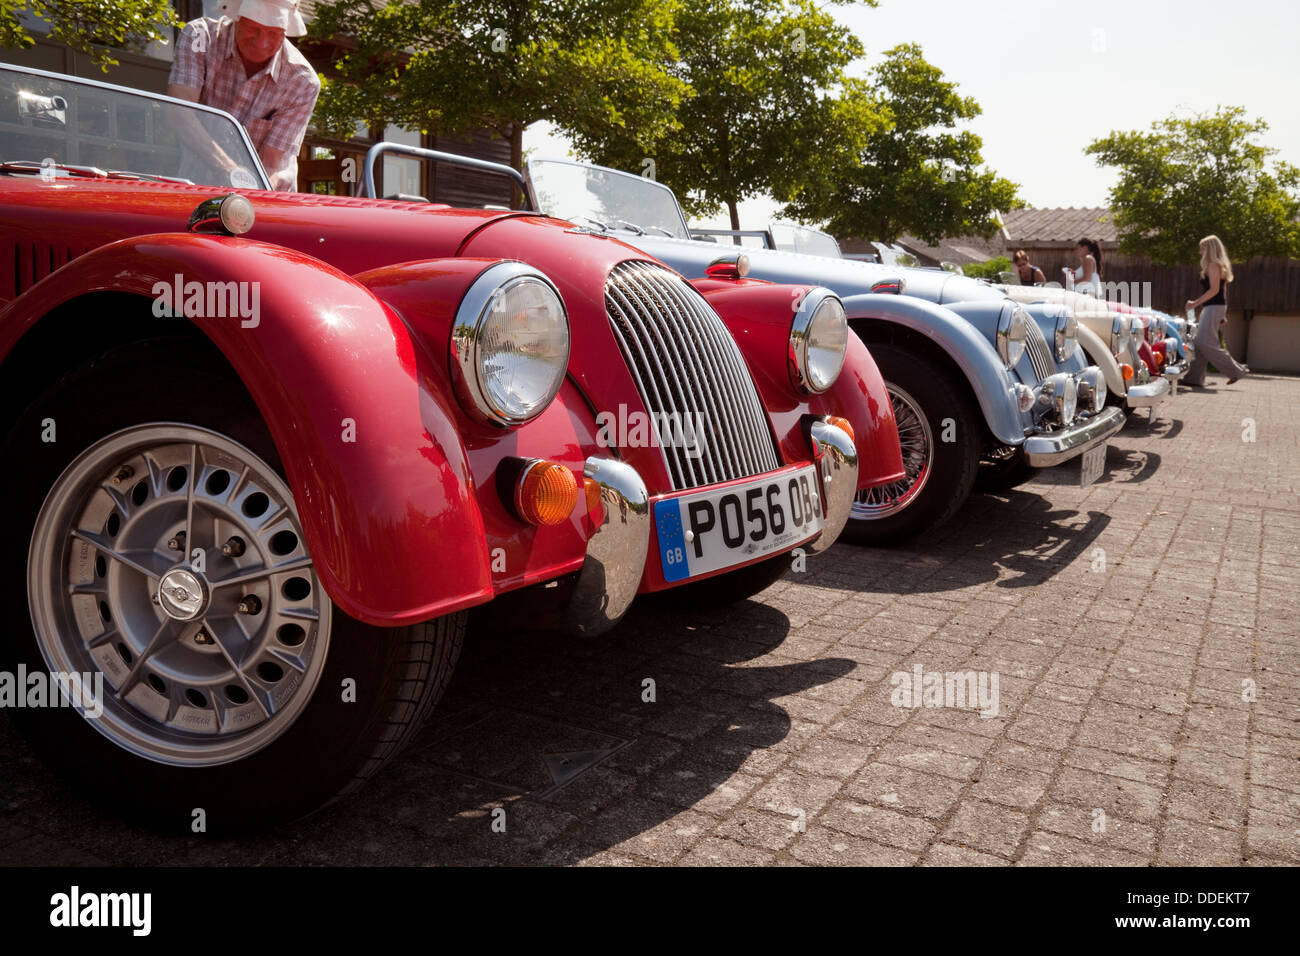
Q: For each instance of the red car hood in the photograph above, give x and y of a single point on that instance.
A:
(353, 235)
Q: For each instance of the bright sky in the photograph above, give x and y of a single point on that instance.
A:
(1053, 76)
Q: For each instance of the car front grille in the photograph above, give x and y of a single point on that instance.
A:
(1040, 355)
(691, 377)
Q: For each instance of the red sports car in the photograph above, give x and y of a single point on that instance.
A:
(266, 449)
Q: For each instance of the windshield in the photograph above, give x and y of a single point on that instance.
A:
(79, 123)
(583, 194)
(791, 238)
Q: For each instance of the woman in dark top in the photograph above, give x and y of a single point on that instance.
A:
(1216, 273)
(1029, 273)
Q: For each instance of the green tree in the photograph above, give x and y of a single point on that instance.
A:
(93, 28)
(457, 65)
(763, 76)
(1189, 177)
(908, 169)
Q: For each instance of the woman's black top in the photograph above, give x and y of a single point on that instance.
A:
(1220, 297)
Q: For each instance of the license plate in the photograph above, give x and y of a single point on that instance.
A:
(716, 529)
(1092, 465)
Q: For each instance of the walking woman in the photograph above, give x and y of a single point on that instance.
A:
(1216, 273)
(1086, 278)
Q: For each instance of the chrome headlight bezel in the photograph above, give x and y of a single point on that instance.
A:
(479, 307)
(1059, 393)
(1066, 339)
(1012, 335)
(1092, 389)
(820, 316)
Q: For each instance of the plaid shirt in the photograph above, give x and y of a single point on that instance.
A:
(275, 104)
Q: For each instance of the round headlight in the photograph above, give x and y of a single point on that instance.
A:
(1069, 400)
(1013, 329)
(1092, 388)
(1067, 335)
(819, 338)
(510, 344)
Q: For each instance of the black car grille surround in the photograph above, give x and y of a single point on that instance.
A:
(1040, 355)
(703, 405)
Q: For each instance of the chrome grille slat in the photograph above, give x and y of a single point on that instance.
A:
(646, 287)
(713, 342)
(685, 362)
(717, 341)
(678, 311)
(1040, 356)
(708, 472)
(649, 394)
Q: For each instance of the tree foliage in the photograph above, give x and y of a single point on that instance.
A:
(763, 78)
(455, 65)
(94, 27)
(907, 167)
(990, 269)
(1186, 178)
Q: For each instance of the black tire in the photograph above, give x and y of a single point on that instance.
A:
(951, 464)
(1004, 475)
(730, 588)
(330, 746)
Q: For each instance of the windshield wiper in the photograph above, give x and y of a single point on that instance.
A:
(149, 177)
(602, 226)
(27, 166)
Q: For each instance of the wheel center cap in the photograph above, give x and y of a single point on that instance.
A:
(181, 594)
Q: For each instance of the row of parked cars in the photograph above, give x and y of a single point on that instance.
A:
(268, 450)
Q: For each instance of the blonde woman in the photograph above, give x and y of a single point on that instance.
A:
(1216, 273)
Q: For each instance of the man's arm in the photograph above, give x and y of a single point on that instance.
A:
(279, 152)
(191, 131)
(186, 83)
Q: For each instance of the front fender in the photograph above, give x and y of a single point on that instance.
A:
(426, 295)
(1099, 354)
(376, 466)
(758, 315)
(966, 345)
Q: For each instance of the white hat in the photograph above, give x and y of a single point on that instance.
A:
(274, 13)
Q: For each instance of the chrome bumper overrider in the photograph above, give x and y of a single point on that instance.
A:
(1175, 373)
(1145, 396)
(1044, 451)
(839, 473)
(616, 553)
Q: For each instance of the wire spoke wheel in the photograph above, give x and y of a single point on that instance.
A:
(917, 443)
(170, 560)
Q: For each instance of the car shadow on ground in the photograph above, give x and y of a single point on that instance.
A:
(545, 749)
(1014, 538)
(1123, 465)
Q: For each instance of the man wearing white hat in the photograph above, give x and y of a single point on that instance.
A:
(248, 68)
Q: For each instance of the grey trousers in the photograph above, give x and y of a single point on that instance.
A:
(1209, 350)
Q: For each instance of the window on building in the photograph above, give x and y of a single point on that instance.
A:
(402, 174)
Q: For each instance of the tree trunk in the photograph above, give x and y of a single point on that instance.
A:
(735, 219)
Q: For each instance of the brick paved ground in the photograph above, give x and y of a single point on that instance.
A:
(1122, 621)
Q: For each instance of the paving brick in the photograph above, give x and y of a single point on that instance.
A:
(987, 827)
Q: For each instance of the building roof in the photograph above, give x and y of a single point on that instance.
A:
(1059, 225)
